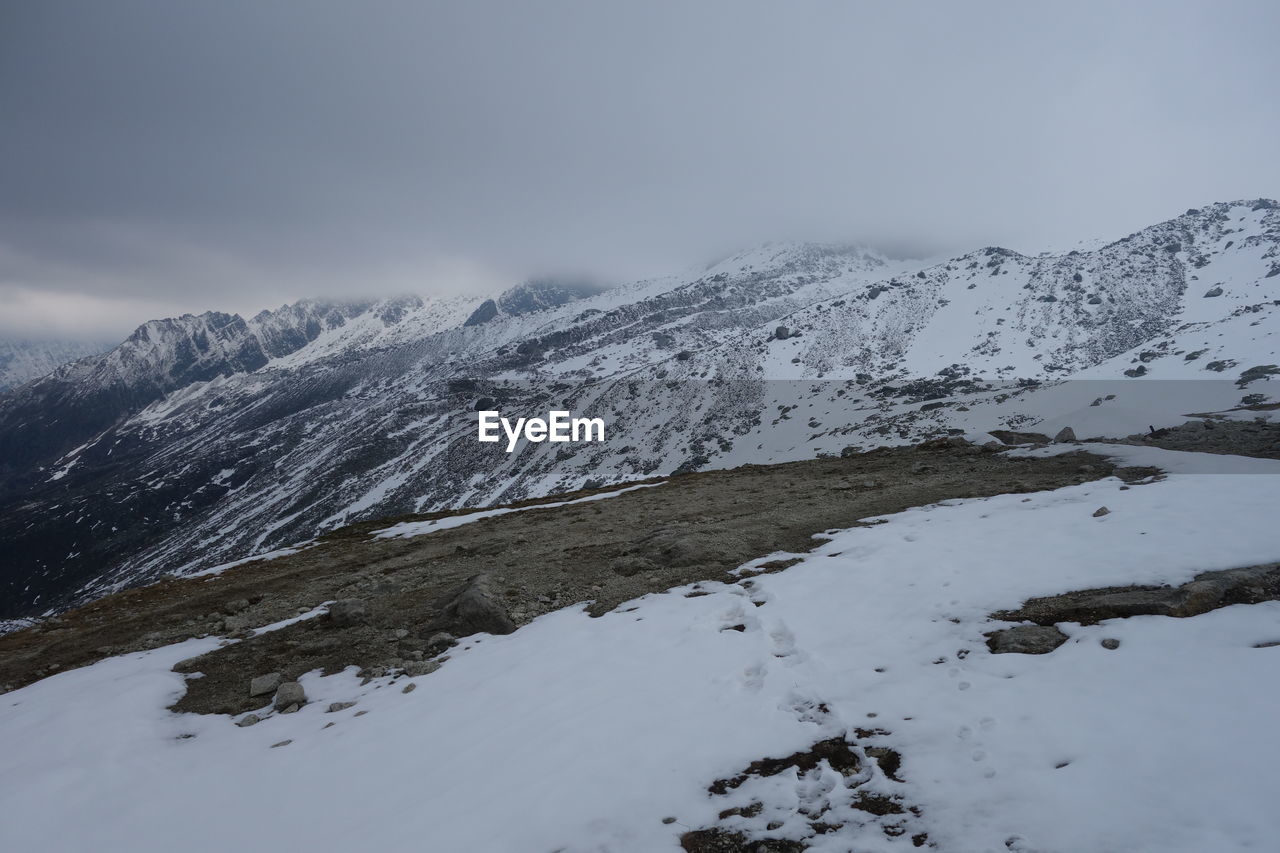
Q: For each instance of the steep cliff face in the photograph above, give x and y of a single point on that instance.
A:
(204, 439)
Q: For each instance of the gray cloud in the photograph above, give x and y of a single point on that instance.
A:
(186, 155)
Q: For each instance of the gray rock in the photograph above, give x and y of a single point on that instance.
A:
(441, 640)
(1111, 643)
(347, 612)
(1208, 591)
(782, 333)
(475, 610)
(290, 693)
(334, 707)
(1101, 511)
(1212, 292)
(1065, 435)
(235, 606)
(1026, 640)
(282, 743)
(1008, 436)
(409, 688)
(420, 667)
(264, 684)
(249, 720)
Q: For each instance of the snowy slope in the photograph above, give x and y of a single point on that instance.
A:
(581, 734)
(23, 360)
(217, 437)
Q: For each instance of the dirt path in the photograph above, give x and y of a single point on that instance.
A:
(693, 527)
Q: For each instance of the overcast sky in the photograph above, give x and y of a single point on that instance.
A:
(161, 156)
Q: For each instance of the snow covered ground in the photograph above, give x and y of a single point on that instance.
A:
(580, 734)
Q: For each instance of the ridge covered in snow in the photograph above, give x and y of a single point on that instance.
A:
(22, 360)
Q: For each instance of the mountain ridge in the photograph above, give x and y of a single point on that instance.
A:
(774, 354)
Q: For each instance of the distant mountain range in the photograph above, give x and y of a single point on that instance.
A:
(203, 439)
(22, 360)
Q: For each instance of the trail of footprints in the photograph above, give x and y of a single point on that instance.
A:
(843, 781)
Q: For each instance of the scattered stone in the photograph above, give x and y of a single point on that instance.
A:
(235, 606)
(264, 684)
(1110, 643)
(413, 669)
(249, 720)
(1065, 435)
(1025, 640)
(409, 688)
(1101, 511)
(290, 693)
(334, 707)
(1212, 292)
(282, 743)
(347, 612)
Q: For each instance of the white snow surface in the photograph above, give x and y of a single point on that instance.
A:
(409, 529)
(580, 734)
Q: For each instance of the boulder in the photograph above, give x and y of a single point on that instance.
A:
(1065, 435)
(264, 684)
(420, 667)
(440, 640)
(290, 693)
(347, 612)
(475, 610)
(1026, 640)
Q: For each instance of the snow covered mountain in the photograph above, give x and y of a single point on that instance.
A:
(205, 439)
(22, 360)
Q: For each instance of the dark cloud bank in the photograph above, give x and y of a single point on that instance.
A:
(168, 156)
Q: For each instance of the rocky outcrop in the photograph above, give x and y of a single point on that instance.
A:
(1208, 591)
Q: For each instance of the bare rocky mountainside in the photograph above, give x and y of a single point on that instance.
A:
(206, 439)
